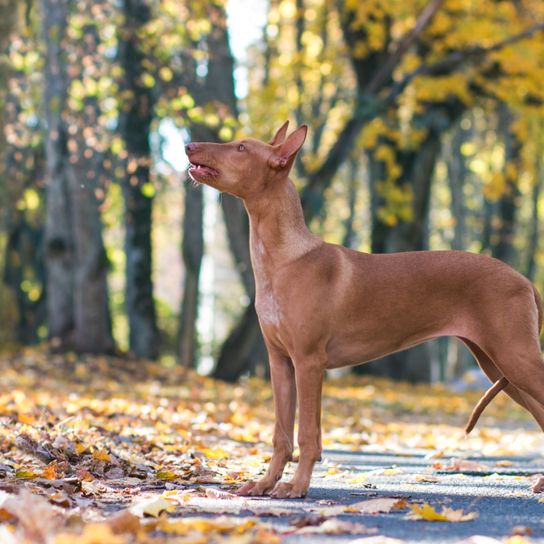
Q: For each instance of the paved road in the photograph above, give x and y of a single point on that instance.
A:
(501, 495)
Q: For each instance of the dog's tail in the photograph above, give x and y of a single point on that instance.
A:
(489, 395)
(500, 384)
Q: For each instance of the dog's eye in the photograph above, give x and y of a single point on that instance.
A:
(241, 147)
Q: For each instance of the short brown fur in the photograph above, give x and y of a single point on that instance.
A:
(324, 306)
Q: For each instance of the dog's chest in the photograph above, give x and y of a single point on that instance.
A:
(267, 306)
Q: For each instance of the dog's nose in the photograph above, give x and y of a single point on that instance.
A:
(190, 148)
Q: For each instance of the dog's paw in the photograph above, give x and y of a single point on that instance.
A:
(288, 490)
(255, 489)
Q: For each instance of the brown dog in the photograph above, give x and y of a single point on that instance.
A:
(324, 306)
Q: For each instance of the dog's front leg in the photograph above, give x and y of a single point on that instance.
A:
(282, 376)
(309, 380)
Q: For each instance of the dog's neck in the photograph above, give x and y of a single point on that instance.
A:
(278, 233)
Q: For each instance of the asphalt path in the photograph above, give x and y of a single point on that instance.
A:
(498, 490)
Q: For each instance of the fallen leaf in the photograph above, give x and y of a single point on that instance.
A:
(375, 506)
(38, 519)
(101, 455)
(166, 475)
(26, 474)
(428, 513)
(93, 533)
(124, 522)
(214, 493)
(335, 527)
(461, 465)
(152, 507)
(538, 485)
(521, 530)
(358, 479)
(427, 479)
(205, 525)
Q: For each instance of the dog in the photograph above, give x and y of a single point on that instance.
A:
(323, 306)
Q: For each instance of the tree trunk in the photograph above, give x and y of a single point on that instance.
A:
(503, 239)
(77, 288)
(23, 260)
(417, 173)
(457, 174)
(135, 125)
(92, 332)
(192, 250)
(239, 349)
(59, 239)
(350, 238)
(9, 14)
(534, 233)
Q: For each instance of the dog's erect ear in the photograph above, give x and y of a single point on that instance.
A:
(287, 151)
(280, 135)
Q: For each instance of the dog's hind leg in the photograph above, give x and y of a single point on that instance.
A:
(522, 397)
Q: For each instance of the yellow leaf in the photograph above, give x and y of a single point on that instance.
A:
(166, 475)
(428, 513)
(50, 471)
(391, 471)
(26, 474)
(202, 525)
(93, 533)
(214, 453)
(101, 455)
(422, 478)
(80, 447)
(358, 479)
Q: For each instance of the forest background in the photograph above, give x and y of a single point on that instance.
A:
(426, 132)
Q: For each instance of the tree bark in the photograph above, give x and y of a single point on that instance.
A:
(534, 233)
(417, 173)
(350, 238)
(59, 239)
(92, 332)
(457, 174)
(135, 127)
(78, 313)
(502, 246)
(192, 250)
(23, 260)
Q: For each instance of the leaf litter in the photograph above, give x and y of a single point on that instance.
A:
(97, 449)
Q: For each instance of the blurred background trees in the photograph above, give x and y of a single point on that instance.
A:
(426, 132)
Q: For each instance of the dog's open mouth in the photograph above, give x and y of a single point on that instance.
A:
(201, 170)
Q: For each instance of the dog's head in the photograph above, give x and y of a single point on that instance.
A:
(245, 167)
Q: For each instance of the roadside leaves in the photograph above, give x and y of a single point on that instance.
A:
(427, 513)
(152, 507)
(96, 449)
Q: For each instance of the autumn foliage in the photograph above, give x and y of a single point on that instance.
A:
(124, 451)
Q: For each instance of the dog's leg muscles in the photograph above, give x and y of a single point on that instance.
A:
(282, 375)
(309, 381)
(493, 373)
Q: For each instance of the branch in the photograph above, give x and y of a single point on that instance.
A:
(453, 60)
(371, 106)
(403, 46)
